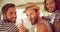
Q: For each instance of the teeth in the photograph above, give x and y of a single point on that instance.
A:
(50, 9)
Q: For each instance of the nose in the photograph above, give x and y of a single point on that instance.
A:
(30, 17)
(14, 15)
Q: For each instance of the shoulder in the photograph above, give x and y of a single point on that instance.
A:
(43, 21)
(12, 27)
(57, 11)
(41, 27)
(2, 23)
(45, 25)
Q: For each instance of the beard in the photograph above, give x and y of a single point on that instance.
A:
(34, 20)
(10, 20)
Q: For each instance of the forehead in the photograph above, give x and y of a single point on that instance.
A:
(49, 1)
(30, 10)
(11, 9)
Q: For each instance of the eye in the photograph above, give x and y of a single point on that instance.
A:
(15, 12)
(10, 13)
(46, 4)
(51, 2)
(26, 15)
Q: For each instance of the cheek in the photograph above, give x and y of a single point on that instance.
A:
(8, 16)
(34, 16)
(53, 5)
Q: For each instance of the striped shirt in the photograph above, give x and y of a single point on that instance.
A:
(8, 27)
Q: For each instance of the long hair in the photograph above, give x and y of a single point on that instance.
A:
(56, 7)
(58, 3)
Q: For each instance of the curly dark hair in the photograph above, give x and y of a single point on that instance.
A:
(6, 7)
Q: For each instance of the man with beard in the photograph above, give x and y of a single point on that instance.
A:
(9, 19)
(39, 25)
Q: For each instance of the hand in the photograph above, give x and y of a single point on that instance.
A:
(22, 28)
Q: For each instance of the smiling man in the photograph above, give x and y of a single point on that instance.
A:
(9, 19)
(32, 13)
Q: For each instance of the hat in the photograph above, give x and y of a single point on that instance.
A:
(31, 5)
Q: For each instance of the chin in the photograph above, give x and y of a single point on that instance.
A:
(13, 21)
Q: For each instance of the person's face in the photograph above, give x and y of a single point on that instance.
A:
(11, 14)
(31, 15)
(50, 5)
